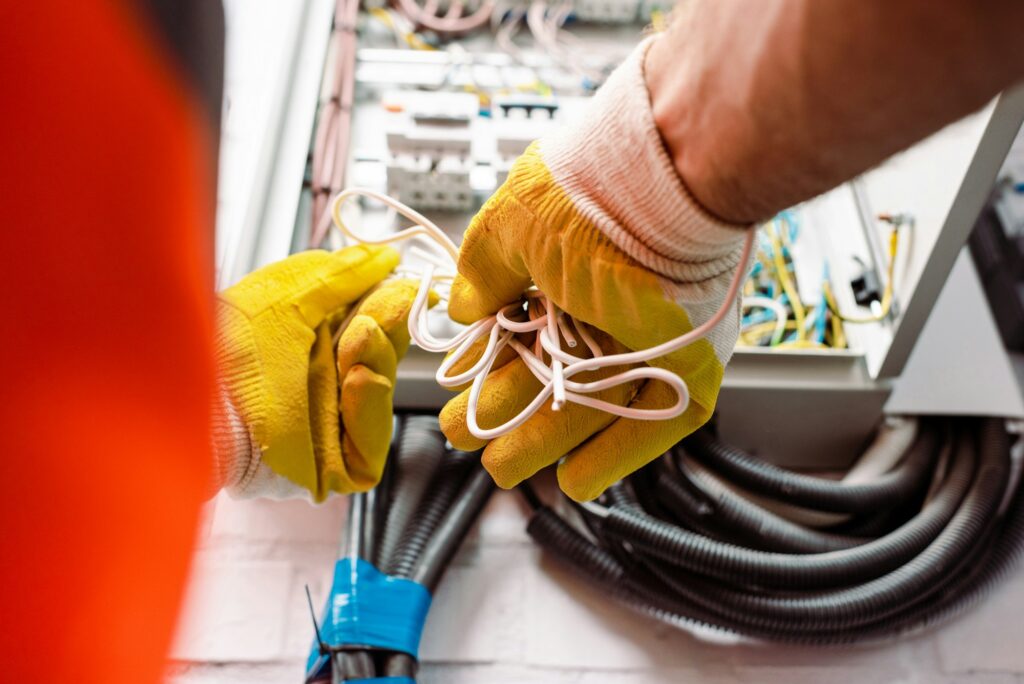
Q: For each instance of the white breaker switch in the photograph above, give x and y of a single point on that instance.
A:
(430, 138)
(428, 183)
(518, 121)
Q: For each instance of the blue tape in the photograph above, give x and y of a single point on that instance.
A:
(368, 608)
(389, 680)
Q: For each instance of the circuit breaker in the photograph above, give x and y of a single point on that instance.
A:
(430, 143)
(518, 121)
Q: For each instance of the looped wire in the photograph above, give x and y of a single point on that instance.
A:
(543, 318)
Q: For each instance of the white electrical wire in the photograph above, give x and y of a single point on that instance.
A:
(768, 303)
(542, 318)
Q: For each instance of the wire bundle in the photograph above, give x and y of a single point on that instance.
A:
(775, 315)
(452, 21)
(404, 533)
(334, 117)
(536, 314)
(546, 22)
(710, 537)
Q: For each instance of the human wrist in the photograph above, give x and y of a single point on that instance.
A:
(705, 83)
(615, 168)
(680, 87)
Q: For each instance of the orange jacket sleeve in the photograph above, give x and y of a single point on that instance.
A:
(107, 154)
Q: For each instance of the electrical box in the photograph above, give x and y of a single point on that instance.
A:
(942, 183)
(440, 129)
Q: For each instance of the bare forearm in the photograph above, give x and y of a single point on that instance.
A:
(765, 104)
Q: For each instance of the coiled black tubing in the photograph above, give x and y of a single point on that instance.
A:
(915, 546)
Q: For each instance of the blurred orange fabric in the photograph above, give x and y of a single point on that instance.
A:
(105, 337)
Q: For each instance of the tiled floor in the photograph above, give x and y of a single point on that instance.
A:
(505, 614)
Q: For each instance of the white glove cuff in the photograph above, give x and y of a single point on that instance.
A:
(238, 462)
(232, 446)
(614, 166)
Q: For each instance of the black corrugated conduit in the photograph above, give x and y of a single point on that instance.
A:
(815, 493)
(418, 448)
(672, 543)
(409, 527)
(445, 483)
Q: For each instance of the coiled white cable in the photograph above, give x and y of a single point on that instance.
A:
(543, 318)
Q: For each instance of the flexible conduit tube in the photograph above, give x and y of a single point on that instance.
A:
(756, 521)
(861, 604)
(886, 450)
(761, 528)
(559, 539)
(805, 490)
(733, 563)
(978, 572)
(451, 489)
(883, 521)
(968, 555)
(441, 493)
(420, 449)
(453, 528)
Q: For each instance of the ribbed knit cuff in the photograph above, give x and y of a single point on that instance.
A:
(614, 166)
(232, 446)
(236, 453)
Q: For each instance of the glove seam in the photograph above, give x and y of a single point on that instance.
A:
(592, 240)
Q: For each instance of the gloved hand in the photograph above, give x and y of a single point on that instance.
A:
(294, 417)
(597, 217)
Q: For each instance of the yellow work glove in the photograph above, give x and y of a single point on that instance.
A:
(307, 353)
(598, 219)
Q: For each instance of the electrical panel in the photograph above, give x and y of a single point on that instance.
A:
(438, 120)
(429, 142)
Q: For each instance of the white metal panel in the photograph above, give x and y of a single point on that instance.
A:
(274, 60)
(959, 366)
(285, 184)
(261, 35)
(944, 182)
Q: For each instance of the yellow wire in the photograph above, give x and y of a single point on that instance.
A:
(887, 294)
(658, 22)
(411, 39)
(838, 334)
(759, 330)
(787, 284)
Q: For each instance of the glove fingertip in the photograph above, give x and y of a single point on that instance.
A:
(504, 466)
(366, 409)
(578, 486)
(467, 303)
(384, 253)
(453, 425)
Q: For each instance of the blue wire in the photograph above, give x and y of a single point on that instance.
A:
(822, 308)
